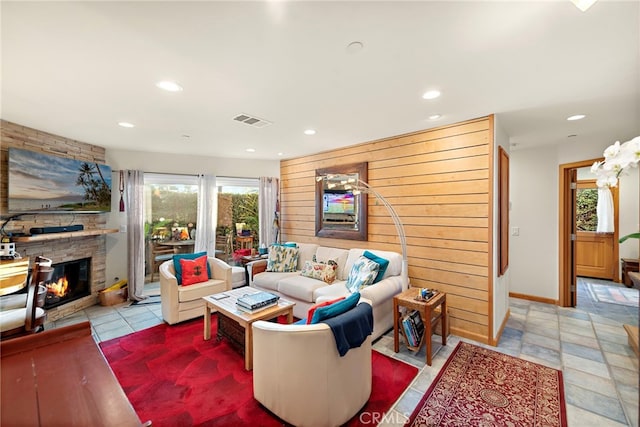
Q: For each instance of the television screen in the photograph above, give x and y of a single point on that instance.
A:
(341, 203)
(41, 183)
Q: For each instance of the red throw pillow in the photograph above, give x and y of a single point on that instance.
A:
(322, 304)
(194, 270)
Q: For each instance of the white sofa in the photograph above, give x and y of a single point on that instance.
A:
(306, 292)
(180, 303)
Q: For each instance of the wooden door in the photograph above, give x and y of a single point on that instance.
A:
(594, 255)
(573, 185)
(595, 251)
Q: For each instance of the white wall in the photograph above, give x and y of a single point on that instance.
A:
(166, 163)
(533, 254)
(534, 190)
(629, 190)
(500, 284)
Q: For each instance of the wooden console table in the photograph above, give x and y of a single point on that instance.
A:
(431, 311)
(60, 378)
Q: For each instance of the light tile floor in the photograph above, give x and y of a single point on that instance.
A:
(587, 343)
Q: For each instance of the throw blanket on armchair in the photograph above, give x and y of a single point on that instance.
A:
(352, 328)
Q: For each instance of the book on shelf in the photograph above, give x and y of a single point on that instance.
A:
(255, 310)
(416, 320)
(413, 328)
(257, 300)
(409, 332)
(406, 330)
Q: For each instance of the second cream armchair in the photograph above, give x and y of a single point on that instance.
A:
(180, 303)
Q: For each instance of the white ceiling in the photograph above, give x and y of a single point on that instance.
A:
(78, 68)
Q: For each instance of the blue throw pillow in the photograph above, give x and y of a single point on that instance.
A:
(178, 267)
(336, 308)
(383, 263)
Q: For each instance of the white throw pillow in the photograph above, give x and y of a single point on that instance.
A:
(363, 273)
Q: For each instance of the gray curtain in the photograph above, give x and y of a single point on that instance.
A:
(268, 209)
(207, 215)
(135, 233)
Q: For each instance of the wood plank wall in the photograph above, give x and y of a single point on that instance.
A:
(439, 181)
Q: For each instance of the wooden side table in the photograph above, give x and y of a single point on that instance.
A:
(629, 265)
(428, 313)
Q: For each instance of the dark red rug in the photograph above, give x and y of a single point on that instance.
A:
(478, 387)
(175, 378)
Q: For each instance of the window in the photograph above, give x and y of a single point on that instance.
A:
(586, 212)
(171, 206)
(238, 204)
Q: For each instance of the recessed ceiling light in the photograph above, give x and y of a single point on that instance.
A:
(431, 94)
(185, 136)
(354, 47)
(280, 154)
(434, 117)
(250, 150)
(309, 132)
(169, 86)
(126, 124)
(576, 117)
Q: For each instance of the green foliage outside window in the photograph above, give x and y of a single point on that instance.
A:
(245, 209)
(171, 205)
(586, 202)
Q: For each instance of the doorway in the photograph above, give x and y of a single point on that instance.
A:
(569, 243)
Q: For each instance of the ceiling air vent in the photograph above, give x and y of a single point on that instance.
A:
(252, 120)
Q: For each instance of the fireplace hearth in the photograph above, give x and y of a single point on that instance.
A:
(71, 280)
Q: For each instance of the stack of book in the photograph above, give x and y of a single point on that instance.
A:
(251, 303)
(413, 328)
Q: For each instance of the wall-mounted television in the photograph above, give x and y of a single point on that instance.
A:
(44, 183)
(338, 202)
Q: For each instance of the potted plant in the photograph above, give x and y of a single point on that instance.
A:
(618, 158)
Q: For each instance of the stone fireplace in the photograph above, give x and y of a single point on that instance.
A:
(81, 256)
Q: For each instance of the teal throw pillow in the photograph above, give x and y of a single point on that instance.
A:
(383, 264)
(336, 308)
(178, 267)
(363, 273)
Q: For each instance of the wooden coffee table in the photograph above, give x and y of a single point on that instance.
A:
(235, 325)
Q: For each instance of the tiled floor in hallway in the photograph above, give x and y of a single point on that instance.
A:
(587, 343)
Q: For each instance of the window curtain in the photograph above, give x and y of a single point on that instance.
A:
(207, 215)
(268, 210)
(604, 210)
(135, 234)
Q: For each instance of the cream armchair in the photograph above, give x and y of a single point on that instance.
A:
(333, 388)
(180, 303)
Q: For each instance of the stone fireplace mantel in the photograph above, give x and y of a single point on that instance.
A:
(65, 235)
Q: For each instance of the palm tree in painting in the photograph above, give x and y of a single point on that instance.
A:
(95, 187)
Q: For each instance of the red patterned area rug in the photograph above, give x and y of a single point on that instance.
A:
(481, 387)
(175, 378)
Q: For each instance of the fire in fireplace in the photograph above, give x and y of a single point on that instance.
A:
(71, 280)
